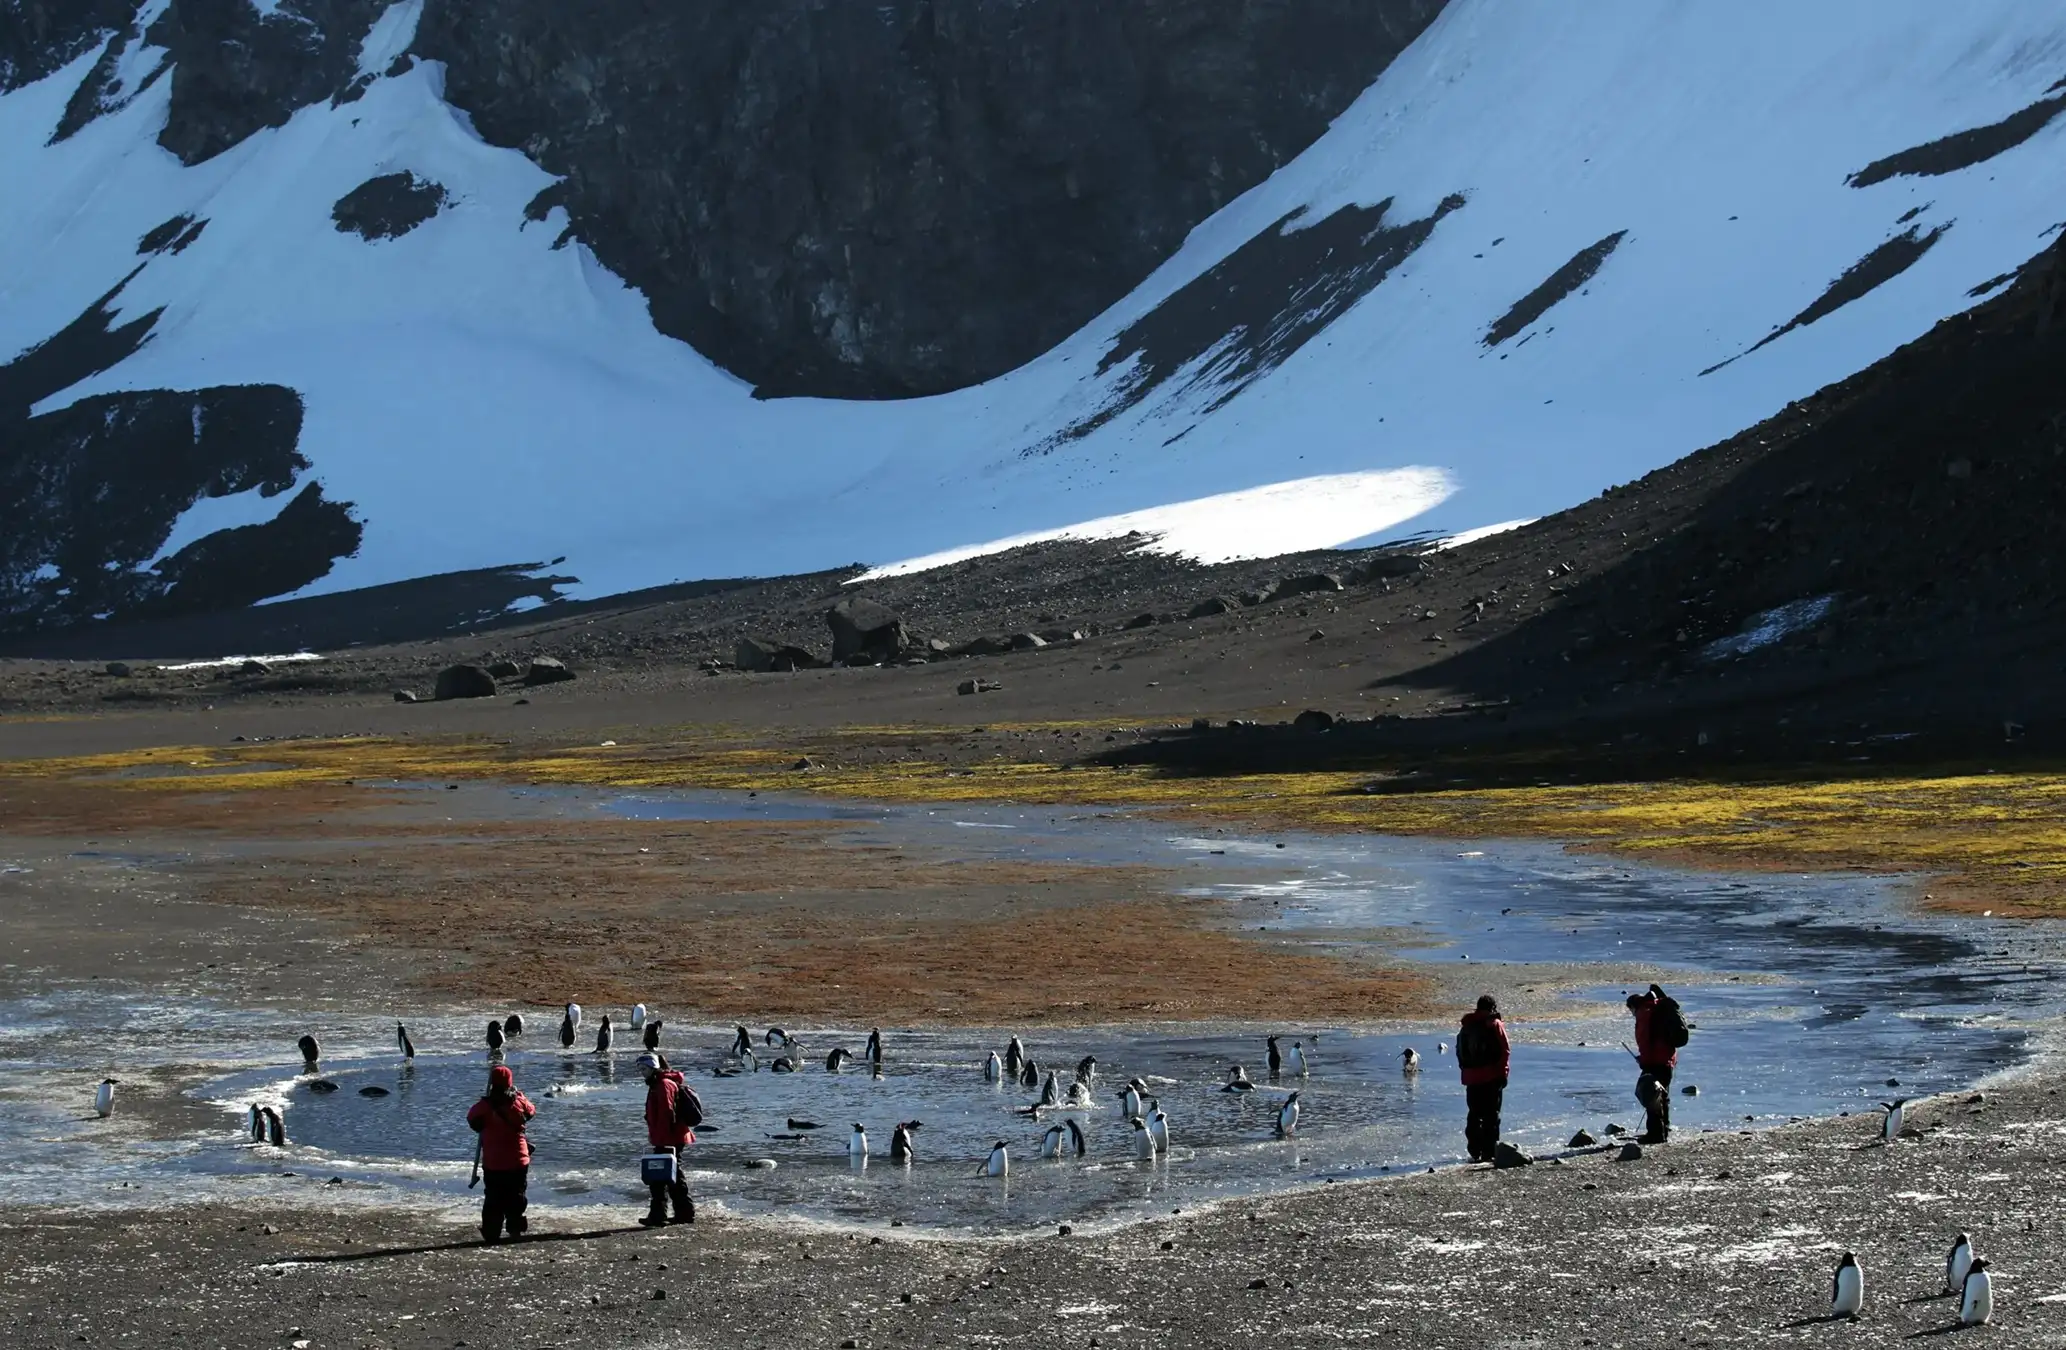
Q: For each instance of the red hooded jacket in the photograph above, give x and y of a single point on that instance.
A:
(1489, 1073)
(1652, 1053)
(661, 1131)
(500, 1123)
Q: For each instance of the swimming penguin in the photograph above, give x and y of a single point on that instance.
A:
(275, 1128)
(1276, 1058)
(257, 1125)
(1014, 1057)
(1029, 1074)
(1958, 1263)
(1051, 1142)
(651, 1039)
(874, 1055)
(999, 1162)
(1130, 1104)
(604, 1035)
(796, 1124)
(1296, 1060)
(775, 1036)
(638, 1016)
(104, 1098)
(900, 1141)
(1976, 1302)
(567, 1030)
(513, 1025)
(1237, 1080)
(1050, 1091)
(1441, 1047)
(836, 1061)
(1287, 1117)
(857, 1142)
(1409, 1060)
(1143, 1142)
(1847, 1288)
(311, 1050)
(993, 1069)
(742, 1044)
(1158, 1127)
(403, 1043)
(495, 1034)
(1087, 1070)
(1897, 1111)
(782, 1065)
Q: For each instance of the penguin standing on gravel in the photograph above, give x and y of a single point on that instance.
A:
(1897, 1113)
(1958, 1263)
(1847, 1289)
(1976, 1301)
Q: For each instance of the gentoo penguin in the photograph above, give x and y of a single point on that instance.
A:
(275, 1128)
(1976, 1303)
(1847, 1288)
(651, 1039)
(857, 1142)
(1087, 1070)
(496, 1036)
(1076, 1140)
(513, 1025)
(1014, 1057)
(782, 1065)
(999, 1162)
(1276, 1059)
(311, 1049)
(1958, 1263)
(1296, 1060)
(567, 1030)
(638, 1017)
(104, 1098)
(1051, 1142)
(257, 1124)
(1130, 1104)
(874, 1055)
(574, 1015)
(1158, 1127)
(900, 1141)
(1897, 1111)
(1143, 1142)
(1409, 1060)
(742, 1044)
(1237, 1080)
(1050, 1091)
(604, 1035)
(403, 1043)
(836, 1061)
(775, 1036)
(1079, 1093)
(993, 1069)
(1029, 1074)
(1441, 1047)
(1287, 1117)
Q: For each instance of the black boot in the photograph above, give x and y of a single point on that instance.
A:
(656, 1213)
(684, 1207)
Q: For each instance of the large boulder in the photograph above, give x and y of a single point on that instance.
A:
(1312, 719)
(861, 626)
(760, 654)
(464, 682)
(547, 670)
(1312, 583)
(1206, 609)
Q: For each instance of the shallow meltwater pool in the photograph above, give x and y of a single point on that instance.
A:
(1809, 995)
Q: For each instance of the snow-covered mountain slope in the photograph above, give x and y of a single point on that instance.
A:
(1552, 247)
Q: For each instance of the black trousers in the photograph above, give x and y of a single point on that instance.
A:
(1481, 1126)
(503, 1203)
(1653, 1090)
(676, 1190)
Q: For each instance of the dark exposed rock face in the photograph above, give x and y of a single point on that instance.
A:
(387, 207)
(876, 200)
(41, 37)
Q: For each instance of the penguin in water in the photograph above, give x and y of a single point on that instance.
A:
(1087, 1070)
(1847, 1289)
(311, 1050)
(742, 1044)
(1014, 1057)
(1079, 1093)
(1051, 1142)
(1076, 1139)
(836, 1061)
(1409, 1060)
(1130, 1104)
(496, 1035)
(406, 1046)
(999, 1162)
(900, 1142)
(993, 1069)
(1050, 1091)
(1287, 1117)
(1143, 1142)
(257, 1124)
(782, 1065)
(1276, 1058)
(874, 1054)
(1237, 1080)
(1958, 1263)
(567, 1029)
(857, 1142)
(1296, 1060)
(104, 1098)
(651, 1039)
(275, 1128)
(1897, 1112)
(638, 1017)
(604, 1036)
(1029, 1074)
(1976, 1299)
(574, 1015)
(776, 1036)
(1158, 1127)
(513, 1025)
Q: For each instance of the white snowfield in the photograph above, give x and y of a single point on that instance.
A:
(484, 399)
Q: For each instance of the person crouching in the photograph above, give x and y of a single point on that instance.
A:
(499, 1118)
(668, 1131)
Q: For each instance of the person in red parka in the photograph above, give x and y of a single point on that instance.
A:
(1657, 1056)
(1483, 1054)
(666, 1135)
(499, 1119)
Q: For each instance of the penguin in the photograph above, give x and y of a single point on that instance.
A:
(403, 1043)
(373, 1090)
(1158, 1127)
(1076, 1139)
(574, 1015)
(1087, 1070)
(999, 1162)
(257, 1125)
(1029, 1074)
(1976, 1301)
(322, 1085)
(651, 1039)
(782, 1065)
(1276, 1058)
(311, 1050)
(496, 1036)
(275, 1128)
(1958, 1263)
(1051, 1142)
(104, 1098)
(1237, 1080)
(836, 1061)
(1130, 1104)
(513, 1025)
(775, 1036)
(567, 1030)
(874, 1055)
(1079, 1094)
(604, 1035)
(638, 1017)
(1296, 1060)
(1014, 1057)
(742, 1044)
(1441, 1047)
(1847, 1288)
(900, 1142)
(993, 1069)
(1897, 1111)
(857, 1142)
(1409, 1060)
(1287, 1117)
(1143, 1142)
(1050, 1091)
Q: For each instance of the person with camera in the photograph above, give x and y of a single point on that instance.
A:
(1661, 1031)
(499, 1118)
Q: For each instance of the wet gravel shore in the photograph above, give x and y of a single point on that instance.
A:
(1714, 1240)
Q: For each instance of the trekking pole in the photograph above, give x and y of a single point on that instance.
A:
(475, 1179)
(1632, 1054)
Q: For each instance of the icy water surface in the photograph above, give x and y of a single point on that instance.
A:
(1809, 994)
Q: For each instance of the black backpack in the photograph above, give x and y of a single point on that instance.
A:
(688, 1107)
(1476, 1046)
(1668, 1024)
